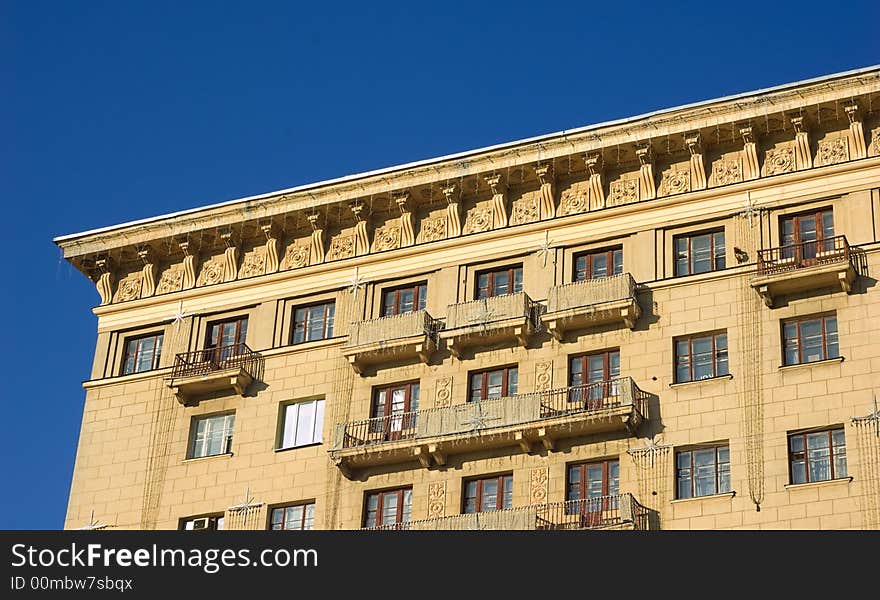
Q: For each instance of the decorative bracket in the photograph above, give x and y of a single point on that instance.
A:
(499, 200)
(272, 262)
(803, 154)
(316, 251)
(189, 266)
(407, 234)
(595, 167)
(548, 193)
(453, 211)
(698, 167)
(645, 152)
(230, 255)
(860, 148)
(362, 240)
(750, 153)
(104, 278)
(150, 270)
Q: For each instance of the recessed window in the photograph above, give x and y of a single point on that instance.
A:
(390, 507)
(211, 435)
(488, 494)
(593, 480)
(313, 322)
(701, 356)
(394, 410)
(810, 339)
(404, 299)
(297, 517)
(227, 337)
(699, 253)
(805, 235)
(142, 353)
(594, 265)
(206, 523)
(498, 282)
(817, 456)
(702, 472)
(594, 378)
(302, 423)
(493, 384)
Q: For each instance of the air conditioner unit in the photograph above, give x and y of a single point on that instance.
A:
(203, 523)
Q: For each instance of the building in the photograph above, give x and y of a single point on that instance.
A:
(663, 321)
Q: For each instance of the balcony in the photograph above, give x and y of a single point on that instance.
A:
(591, 303)
(525, 421)
(226, 368)
(621, 511)
(400, 337)
(804, 267)
(489, 321)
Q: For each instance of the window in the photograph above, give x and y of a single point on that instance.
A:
(593, 480)
(810, 339)
(594, 377)
(394, 410)
(805, 234)
(313, 322)
(403, 300)
(390, 507)
(490, 385)
(817, 456)
(211, 435)
(298, 517)
(499, 282)
(227, 337)
(699, 253)
(491, 493)
(208, 523)
(702, 472)
(142, 353)
(302, 423)
(700, 356)
(594, 265)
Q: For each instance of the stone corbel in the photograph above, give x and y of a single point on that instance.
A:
(272, 261)
(548, 192)
(150, 271)
(316, 249)
(857, 132)
(104, 279)
(189, 266)
(453, 210)
(499, 200)
(803, 154)
(407, 233)
(230, 255)
(698, 166)
(750, 153)
(646, 171)
(595, 167)
(361, 237)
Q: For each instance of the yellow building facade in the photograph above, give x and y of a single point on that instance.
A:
(661, 322)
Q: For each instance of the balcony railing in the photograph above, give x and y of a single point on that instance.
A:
(803, 255)
(399, 336)
(488, 320)
(515, 420)
(212, 369)
(804, 267)
(621, 511)
(592, 302)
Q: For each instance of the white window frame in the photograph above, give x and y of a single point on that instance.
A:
(288, 436)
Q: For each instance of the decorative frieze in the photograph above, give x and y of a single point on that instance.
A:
(526, 210)
(875, 142)
(212, 271)
(856, 130)
(387, 237)
(694, 143)
(779, 160)
(297, 256)
(539, 479)
(547, 179)
(675, 181)
(544, 376)
(254, 264)
(499, 200)
(341, 246)
(595, 166)
(575, 200)
(478, 219)
(436, 499)
(727, 171)
(803, 155)
(171, 280)
(624, 191)
(129, 288)
(832, 151)
(645, 154)
(751, 168)
(433, 229)
(443, 395)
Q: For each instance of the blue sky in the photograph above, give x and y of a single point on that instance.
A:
(113, 111)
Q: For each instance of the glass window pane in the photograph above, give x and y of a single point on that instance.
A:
(318, 435)
(517, 280)
(305, 423)
(682, 265)
(701, 257)
(512, 381)
(618, 262)
(289, 435)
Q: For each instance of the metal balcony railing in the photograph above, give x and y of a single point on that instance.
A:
(395, 327)
(220, 358)
(619, 510)
(487, 414)
(590, 292)
(804, 254)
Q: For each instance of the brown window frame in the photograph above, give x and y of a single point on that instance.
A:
(588, 258)
(388, 389)
(692, 471)
(305, 518)
(806, 456)
(798, 321)
(582, 485)
(490, 282)
(327, 321)
(381, 494)
(690, 355)
(158, 336)
(795, 219)
(389, 427)
(241, 324)
(478, 500)
(585, 361)
(484, 384)
(419, 302)
(690, 253)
